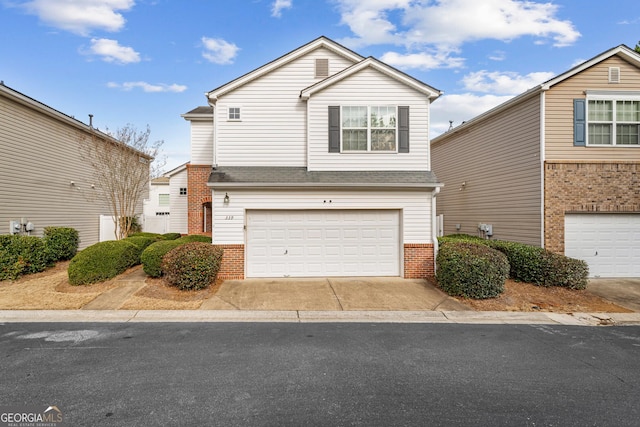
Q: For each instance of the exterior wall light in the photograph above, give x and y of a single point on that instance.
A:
(226, 198)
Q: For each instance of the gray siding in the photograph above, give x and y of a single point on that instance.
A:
(40, 158)
(498, 159)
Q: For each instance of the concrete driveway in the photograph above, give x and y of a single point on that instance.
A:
(624, 292)
(331, 294)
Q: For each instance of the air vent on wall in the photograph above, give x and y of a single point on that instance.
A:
(322, 67)
(614, 74)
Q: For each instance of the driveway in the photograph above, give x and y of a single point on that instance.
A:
(331, 294)
(624, 292)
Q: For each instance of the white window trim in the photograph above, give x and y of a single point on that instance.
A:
(368, 150)
(228, 110)
(613, 96)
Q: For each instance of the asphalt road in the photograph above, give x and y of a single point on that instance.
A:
(292, 374)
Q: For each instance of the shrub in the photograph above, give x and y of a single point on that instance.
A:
(526, 262)
(140, 241)
(195, 238)
(154, 236)
(192, 265)
(61, 243)
(102, 261)
(151, 257)
(171, 236)
(471, 270)
(22, 255)
(460, 238)
(565, 272)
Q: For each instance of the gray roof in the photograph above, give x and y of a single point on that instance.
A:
(200, 110)
(245, 176)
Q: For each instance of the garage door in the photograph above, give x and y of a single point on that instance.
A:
(610, 243)
(323, 243)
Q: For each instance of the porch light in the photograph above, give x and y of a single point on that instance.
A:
(226, 198)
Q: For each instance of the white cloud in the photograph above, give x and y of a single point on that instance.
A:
(81, 16)
(111, 51)
(498, 55)
(503, 83)
(278, 6)
(421, 61)
(148, 87)
(445, 25)
(219, 51)
(459, 108)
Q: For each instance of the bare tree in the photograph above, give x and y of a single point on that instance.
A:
(122, 164)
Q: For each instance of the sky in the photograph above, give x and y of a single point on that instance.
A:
(146, 62)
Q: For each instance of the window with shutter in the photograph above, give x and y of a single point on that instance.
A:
(607, 119)
(368, 128)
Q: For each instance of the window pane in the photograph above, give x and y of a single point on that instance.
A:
(628, 111)
(599, 134)
(627, 134)
(354, 140)
(354, 117)
(383, 117)
(601, 111)
(383, 140)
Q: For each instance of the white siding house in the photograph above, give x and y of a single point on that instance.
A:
(319, 166)
(43, 176)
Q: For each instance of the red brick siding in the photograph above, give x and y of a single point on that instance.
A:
(197, 194)
(586, 187)
(418, 260)
(232, 262)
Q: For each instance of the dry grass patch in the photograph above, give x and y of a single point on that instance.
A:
(158, 295)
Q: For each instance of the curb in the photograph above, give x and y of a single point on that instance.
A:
(294, 316)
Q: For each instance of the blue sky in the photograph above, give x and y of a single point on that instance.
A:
(148, 61)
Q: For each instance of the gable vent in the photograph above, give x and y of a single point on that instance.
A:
(322, 67)
(614, 74)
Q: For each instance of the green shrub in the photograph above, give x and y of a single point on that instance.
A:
(565, 272)
(460, 238)
(103, 261)
(22, 255)
(154, 236)
(171, 236)
(526, 262)
(192, 265)
(140, 241)
(61, 242)
(471, 270)
(151, 257)
(195, 238)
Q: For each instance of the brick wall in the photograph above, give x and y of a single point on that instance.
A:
(232, 262)
(586, 187)
(418, 260)
(197, 194)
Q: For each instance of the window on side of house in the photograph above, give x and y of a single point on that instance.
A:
(613, 121)
(183, 191)
(234, 113)
(369, 128)
(163, 199)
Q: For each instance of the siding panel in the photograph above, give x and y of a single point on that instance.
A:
(178, 203)
(202, 142)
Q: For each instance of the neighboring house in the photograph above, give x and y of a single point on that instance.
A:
(44, 179)
(316, 164)
(557, 166)
(157, 207)
(178, 199)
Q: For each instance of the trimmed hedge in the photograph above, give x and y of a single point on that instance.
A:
(533, 264)
(471, 270)
(61, 243)
(192, 265)
(171, 236)
(103, 261)
(195, 238)
(21, 254)
(140, 241)
(151, 257)
(154, 236)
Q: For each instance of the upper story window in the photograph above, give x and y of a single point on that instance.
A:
(183, 191)
(369, 128)
(234, 113)
(613, 121)
(163, 199)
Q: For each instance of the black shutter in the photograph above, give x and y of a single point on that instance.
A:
(334, 129)
(579, 122)
(403, 129)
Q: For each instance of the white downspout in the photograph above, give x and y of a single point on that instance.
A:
(434, 227)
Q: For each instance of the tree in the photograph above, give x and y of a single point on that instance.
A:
(122, 162)
(638, 47)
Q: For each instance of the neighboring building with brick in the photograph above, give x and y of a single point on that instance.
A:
(315, 164)
(557, 166)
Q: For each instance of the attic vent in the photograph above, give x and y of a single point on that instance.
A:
(322, 67)
(614, 74)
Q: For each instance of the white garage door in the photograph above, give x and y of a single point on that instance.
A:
(323, 243)
(610, 243)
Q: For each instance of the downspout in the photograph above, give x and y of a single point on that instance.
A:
(434, 228)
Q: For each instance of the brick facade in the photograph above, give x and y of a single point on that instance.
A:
(418, 260)
(232, 262)
(572, 187)
(198, 194)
